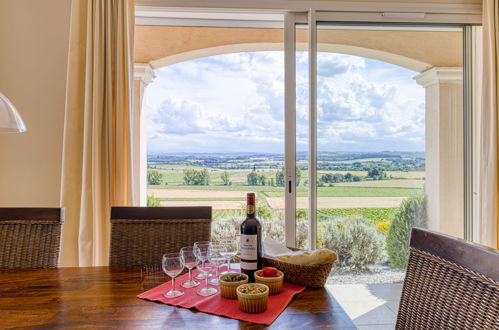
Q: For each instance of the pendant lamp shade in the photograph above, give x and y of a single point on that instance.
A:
(10, 120)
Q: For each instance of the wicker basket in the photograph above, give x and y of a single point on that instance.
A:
(314, 276)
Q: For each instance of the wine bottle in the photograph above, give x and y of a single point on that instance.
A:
(251, 240)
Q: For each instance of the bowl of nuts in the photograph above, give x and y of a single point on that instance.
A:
(252, 297)
(229, 283)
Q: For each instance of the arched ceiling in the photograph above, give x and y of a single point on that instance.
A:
(415, 50)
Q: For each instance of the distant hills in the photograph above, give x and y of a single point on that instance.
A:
(339, 161)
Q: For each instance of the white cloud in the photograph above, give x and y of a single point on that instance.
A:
(235, 103)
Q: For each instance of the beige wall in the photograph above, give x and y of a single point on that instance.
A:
(33, 51)
(416, 50)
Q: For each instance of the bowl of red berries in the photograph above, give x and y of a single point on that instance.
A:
(271, 277)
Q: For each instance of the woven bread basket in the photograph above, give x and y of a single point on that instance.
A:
(314, 276)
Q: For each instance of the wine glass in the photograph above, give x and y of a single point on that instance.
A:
(206, 266)
(201, 248)
(189, 260)
(172, 266)
(229, 251)
(218, 260)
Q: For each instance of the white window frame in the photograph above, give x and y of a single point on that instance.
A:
(286, 13)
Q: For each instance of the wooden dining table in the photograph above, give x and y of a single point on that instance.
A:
(105, 297)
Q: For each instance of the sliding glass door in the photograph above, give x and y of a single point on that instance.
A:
(378, 138)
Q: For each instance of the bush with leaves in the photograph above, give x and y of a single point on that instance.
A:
(153, 201)
(279, 177)
(197, 177)
(225, 176)
(154, 178)
(255, 179)
(356, 241)
(411, 213)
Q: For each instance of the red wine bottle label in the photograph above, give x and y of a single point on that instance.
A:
(249, 248)
(249, 265)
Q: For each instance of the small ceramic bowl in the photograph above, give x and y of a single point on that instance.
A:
(252, 297)
(274, 283)
(228, 288)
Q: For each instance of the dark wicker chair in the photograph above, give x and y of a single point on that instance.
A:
(141, 235)
(30, 237)
(449, 284)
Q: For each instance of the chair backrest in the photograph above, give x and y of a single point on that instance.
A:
(141, 235)
(449, 284)
(30, 237)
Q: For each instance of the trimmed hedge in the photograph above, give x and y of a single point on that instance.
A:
(411, 213)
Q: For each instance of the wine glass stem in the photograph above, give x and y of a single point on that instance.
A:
(190, 276)
(206, 280)
(228, 264)
(173, 283)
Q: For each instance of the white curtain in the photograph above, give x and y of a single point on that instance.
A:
(489, 143)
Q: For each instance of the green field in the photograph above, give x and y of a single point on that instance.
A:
(375, 215)
(398, 184)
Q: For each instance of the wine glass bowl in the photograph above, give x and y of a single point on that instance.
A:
(229, 251)
(201, 250)
(218, 260)
(189, 260)
(172, 266)
(206, 266)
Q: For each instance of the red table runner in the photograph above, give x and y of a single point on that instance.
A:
(220, 306)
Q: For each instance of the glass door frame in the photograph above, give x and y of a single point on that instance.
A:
(310, 18)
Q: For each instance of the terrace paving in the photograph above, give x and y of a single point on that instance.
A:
(370, 306)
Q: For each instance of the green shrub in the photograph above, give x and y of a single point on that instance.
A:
(225, 176)
(356, 241)
(411, 213)
(154, 178)
(196, 177)
(153, 201)
(302, 235)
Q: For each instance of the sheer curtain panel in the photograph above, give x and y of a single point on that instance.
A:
(489, 155)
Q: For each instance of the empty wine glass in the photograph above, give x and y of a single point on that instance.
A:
(218, 260)
(206, 266)
(189, 260)
(201, 248)
(229, 251)
(172, 266)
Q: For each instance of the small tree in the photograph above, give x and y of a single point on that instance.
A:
(252, 178)
(376, 173)
(348, 177)
(197, 178)
(204, 177)
(279, 178)
(261, 180)
(225, 176)
(154, 178)
(298, 176)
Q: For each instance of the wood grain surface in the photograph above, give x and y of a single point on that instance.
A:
(105, 297)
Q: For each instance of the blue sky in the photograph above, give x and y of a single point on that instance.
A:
(235, 103)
